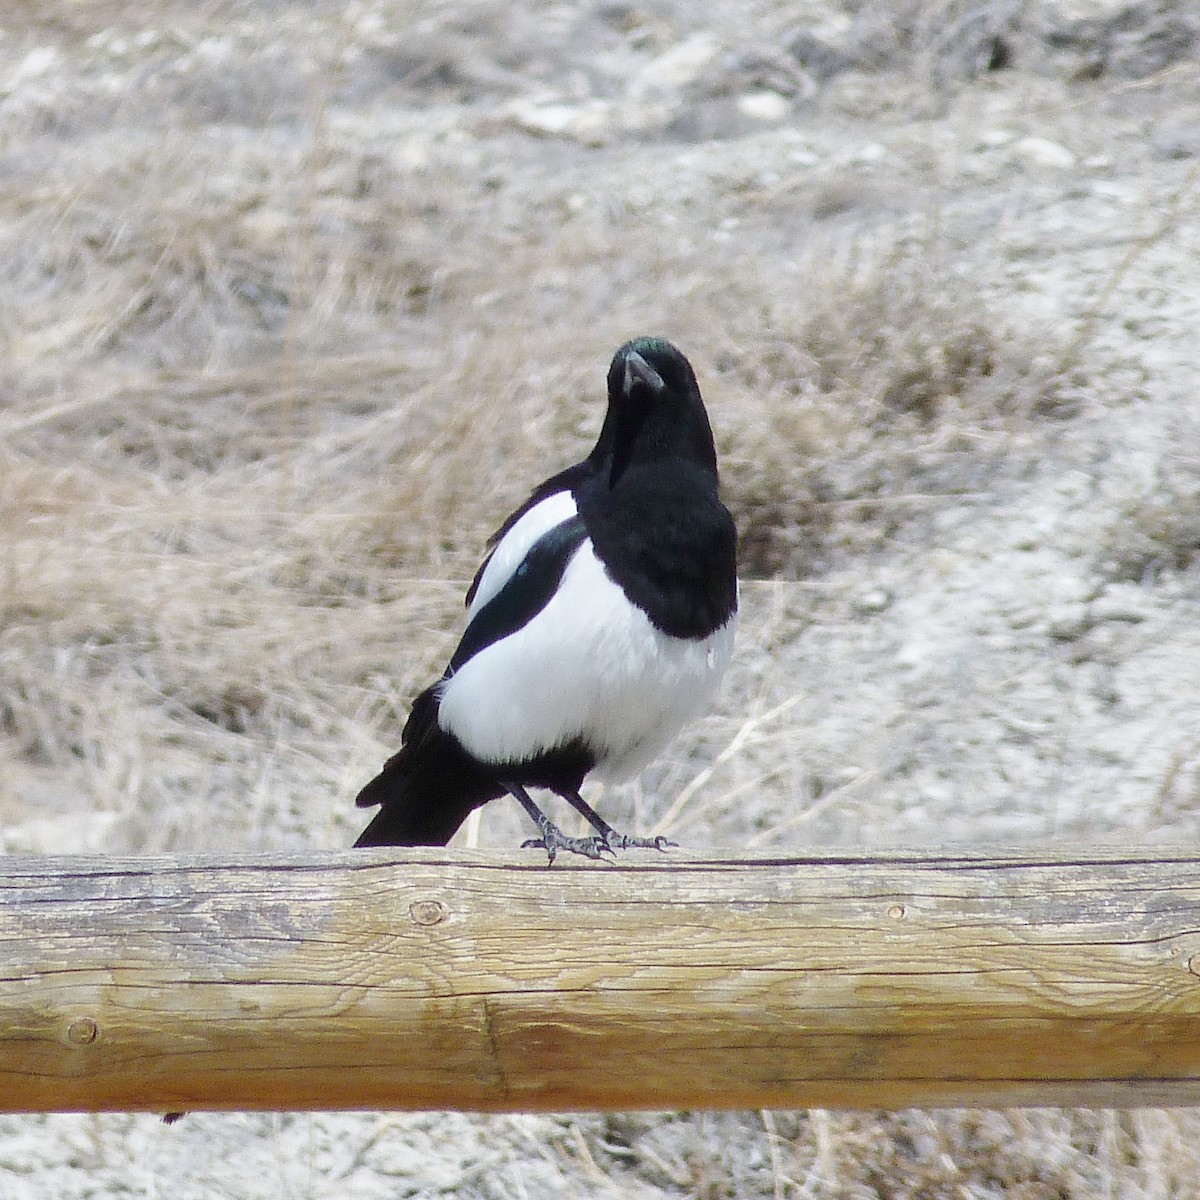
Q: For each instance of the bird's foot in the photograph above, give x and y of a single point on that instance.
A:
(553, 840)
(622, 841)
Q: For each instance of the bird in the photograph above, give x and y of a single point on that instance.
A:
(599, 623)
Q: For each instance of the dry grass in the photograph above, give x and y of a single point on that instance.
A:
(254, 540)
(260, 388)
(292, 315)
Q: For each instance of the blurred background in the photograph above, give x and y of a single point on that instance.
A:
(297, 301)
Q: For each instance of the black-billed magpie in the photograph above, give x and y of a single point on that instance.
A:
(599, 624)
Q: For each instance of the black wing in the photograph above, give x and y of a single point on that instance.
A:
(564, 481)
(525, 594)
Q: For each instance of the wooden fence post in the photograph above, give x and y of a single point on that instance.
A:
(446, 979)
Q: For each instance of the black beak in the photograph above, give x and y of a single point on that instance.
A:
(637, 368)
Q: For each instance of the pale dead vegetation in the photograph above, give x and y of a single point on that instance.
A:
(298, 302)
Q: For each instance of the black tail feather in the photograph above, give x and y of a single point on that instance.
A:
(421, 812)
(428, 789)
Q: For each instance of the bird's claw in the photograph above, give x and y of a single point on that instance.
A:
(622, 841)
(608, 841)
(552, 842)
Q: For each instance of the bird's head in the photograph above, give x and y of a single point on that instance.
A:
(654, 408)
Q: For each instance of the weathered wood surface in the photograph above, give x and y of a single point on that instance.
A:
(439, 979)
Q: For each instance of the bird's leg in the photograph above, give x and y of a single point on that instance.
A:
(553, 839)
(611, 838)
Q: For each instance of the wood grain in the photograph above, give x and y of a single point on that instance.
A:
(439, 979)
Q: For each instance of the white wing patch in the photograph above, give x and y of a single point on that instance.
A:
(514, 545)
(590, 665)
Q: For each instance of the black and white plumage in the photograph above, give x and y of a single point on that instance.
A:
(598, 626)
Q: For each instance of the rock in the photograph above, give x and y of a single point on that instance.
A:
(764, 106)
(1041, 152)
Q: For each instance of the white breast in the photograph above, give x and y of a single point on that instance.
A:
(589, 665)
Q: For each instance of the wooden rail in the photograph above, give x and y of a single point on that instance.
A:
(439, 979)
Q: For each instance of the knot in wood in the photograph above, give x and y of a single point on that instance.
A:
(428, 912)
(896, 912)
(82, 1031)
